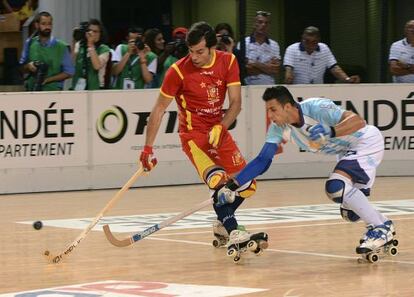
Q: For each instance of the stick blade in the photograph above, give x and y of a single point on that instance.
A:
(113, 240)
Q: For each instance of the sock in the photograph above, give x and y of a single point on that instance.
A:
(225, 214)
(356, 201)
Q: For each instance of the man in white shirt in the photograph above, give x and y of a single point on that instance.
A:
(401, 57)
(262, 53)
(305, 62)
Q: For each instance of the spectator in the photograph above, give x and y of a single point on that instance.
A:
(22, 9)
(91, 56)
(155, 40)
(132, 62)
(401, 58)
(262, 53)
(45, 58)
(226, 42)
(174, 51)
(305, 62)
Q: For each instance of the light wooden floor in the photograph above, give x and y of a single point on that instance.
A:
(304, 259)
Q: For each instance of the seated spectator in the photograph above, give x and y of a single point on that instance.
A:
(134, 63)
(401, 57)
(305, 62)
(262, 53)
(91, 56)
(45, 58)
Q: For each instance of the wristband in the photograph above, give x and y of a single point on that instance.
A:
(333, 132)
(232, 185)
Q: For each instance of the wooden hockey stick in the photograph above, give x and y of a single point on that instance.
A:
(108, 206)
(140, 235)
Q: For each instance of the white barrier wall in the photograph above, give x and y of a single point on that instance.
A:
(90, 140)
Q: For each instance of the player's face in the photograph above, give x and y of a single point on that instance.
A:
(276, 112)
(200, 54)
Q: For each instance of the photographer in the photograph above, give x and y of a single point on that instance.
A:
(45, 58)
(134, 63)
(90, 55)
(173, 51)
(225, 42)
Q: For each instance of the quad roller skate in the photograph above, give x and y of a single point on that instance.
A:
(221, 235)
(379, 241)
(241, 242)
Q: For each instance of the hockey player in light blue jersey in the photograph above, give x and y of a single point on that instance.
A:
(318, 125)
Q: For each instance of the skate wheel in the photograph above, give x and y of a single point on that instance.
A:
(258, 251)
(236, 259)
(252, 245)
(372, 258)
(263, 244)
(393, 251)
(231, 252)
(395, 242)
(216, 243)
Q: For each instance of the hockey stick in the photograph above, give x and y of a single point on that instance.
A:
(108, 206)
(140, 235)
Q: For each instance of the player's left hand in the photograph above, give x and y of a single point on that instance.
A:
(320, 132)
(216, 134)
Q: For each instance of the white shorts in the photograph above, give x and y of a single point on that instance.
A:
(362, 159)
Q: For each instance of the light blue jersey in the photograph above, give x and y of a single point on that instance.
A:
(313, 111)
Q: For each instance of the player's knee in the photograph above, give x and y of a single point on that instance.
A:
(337, 186)
(349, 215)
(216, 178)
(248, 189)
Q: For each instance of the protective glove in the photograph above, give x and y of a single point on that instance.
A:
(147, 159)
(216, 134)
(321, 133)
(226, 194)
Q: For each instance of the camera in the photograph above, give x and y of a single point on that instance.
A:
(226, 39)
(79, 33)
(139, 44)
(40, 75)
(179, 48)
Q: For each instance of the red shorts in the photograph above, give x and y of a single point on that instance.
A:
(227, 155)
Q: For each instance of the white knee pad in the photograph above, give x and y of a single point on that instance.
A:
(337, 187)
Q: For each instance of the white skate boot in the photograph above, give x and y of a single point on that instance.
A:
(221, 234)
(388, 223)
(241, 241)
(379, 239)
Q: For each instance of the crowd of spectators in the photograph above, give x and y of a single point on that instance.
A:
(142, 60)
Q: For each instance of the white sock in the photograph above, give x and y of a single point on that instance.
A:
(356, 201)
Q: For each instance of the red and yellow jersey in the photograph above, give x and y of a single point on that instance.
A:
(200, 92)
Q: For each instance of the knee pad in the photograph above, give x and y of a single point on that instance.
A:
(216, 178)
(349, 215)
(337, 186)
(248, 189)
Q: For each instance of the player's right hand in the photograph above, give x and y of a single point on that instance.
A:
(147, 158)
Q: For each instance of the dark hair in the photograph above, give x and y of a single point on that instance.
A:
(98, 23)
(312, 31)
(138, 30)
(149, 39)
(199, 31)
(280, 93)
(42, 14)
(224, 26)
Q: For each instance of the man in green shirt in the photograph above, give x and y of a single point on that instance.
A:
(134, 63)
(45, 58)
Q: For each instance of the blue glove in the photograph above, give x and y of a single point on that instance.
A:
(319, 132)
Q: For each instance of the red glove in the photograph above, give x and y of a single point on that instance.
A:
(147, 159)
(215, 135)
